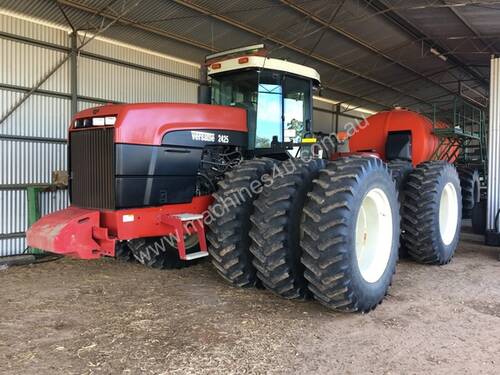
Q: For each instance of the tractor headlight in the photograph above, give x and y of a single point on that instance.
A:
(98, 121)
(95, 121)
(103, 121)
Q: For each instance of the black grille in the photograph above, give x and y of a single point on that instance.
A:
(92, 160)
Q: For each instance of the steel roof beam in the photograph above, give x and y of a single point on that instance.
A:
(471, 28)
(361, 43)
(292, 47)
(154, 30)
(129, 22)
(410, 29)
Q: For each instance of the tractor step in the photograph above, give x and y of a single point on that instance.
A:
(189, 217)
(188, 224)
(197, 255)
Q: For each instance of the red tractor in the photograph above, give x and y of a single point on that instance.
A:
(278, 206)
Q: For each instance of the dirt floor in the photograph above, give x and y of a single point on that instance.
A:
(85, 317)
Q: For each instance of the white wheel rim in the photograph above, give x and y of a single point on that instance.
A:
(448, 213)
(374, 235)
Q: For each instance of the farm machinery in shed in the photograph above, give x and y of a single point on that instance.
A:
(244, 181)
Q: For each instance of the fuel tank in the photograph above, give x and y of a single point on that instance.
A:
(371, 134)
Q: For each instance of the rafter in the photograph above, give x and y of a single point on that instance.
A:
(413, 31)
(294, 48)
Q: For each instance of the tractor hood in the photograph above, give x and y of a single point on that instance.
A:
(147, 123)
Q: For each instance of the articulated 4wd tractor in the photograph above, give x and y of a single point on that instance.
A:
(239, 180)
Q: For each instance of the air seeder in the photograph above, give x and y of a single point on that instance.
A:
(329, 228)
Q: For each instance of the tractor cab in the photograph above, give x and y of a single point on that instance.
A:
(276, 94)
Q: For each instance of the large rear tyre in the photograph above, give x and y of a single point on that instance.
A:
(228, 233)
(276, 229)
(470, 185)
(432, 212)
(351, 234)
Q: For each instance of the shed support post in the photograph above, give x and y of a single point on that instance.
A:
(74, 72)
(493, 206)
(338, 108)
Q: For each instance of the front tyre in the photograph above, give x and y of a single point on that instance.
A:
(123, 252)
(351, 234)
(228, 233)
(161, 252)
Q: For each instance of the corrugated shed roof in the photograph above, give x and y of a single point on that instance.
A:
(365, 55)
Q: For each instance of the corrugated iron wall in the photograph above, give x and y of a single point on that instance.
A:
(99, 79)
(327, 120)
(32, 138)
(52, 114)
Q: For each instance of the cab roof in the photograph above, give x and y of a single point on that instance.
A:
(262, 62)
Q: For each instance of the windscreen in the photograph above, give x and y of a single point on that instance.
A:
(278, 105)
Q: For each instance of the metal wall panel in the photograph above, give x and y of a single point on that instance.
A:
(13, 214)
(51, 201)
(103, 80)
(323, 121)
(82, 104)
(143, 58)
(347, 123)
(328, 105)
(24, 162)
(21, 27)
(324, 117)
(25, 65)
(323, 104)
(12, 246)
(13, 219)
(494, 147)
(39, 116)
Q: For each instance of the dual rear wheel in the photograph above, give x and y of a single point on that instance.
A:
(351, 234)
(331, 230)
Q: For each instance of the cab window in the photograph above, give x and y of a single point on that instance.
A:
(269, 109)
(297, 111)
(235, 89)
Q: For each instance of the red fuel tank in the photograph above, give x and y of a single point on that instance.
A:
(371, 133)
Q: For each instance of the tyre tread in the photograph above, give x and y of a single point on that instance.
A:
(420, 231)
(326, 233)
(277, 267)
(227, 235)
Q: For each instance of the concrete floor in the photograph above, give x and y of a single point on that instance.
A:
(86, 317)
